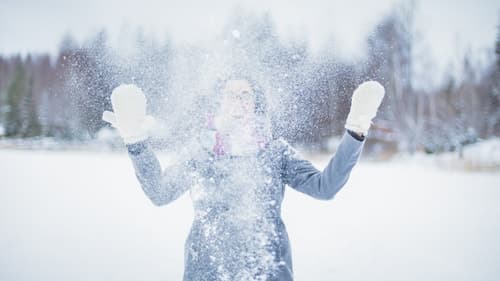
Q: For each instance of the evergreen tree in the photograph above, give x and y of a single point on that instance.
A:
(32, 122)
(17, 90)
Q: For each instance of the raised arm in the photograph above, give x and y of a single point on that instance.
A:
(301, 175)
(162, 187)
(130, 119)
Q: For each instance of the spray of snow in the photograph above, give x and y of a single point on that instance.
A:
(234, 231)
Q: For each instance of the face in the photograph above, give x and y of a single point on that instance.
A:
(237, 119)
(238, 100)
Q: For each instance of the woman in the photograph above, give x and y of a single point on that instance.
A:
(237, 185)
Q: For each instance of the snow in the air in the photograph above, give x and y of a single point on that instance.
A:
(73, 206)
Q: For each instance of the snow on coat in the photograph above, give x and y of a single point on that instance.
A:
(237, 232)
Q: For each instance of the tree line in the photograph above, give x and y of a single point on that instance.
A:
(63, 96)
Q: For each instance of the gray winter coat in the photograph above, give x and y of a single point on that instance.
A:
(237, 232)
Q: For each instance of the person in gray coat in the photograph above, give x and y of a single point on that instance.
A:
(237, 185)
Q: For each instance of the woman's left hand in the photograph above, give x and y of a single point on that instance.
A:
(365, 102)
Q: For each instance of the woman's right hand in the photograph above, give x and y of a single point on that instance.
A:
(129, 113)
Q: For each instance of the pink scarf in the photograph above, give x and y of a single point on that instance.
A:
(222, 147)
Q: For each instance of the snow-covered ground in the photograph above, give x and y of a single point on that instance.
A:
(82, 216)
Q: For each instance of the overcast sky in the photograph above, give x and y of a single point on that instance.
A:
(448, 27)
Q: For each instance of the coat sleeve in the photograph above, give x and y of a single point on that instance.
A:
(161, 187)
(301, 175)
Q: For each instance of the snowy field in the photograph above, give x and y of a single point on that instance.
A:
(82, 216)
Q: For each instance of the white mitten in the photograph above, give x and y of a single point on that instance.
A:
(129, 116)
(364, 105)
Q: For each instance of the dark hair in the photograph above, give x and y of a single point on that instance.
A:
(258, 92)
(264, 121)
